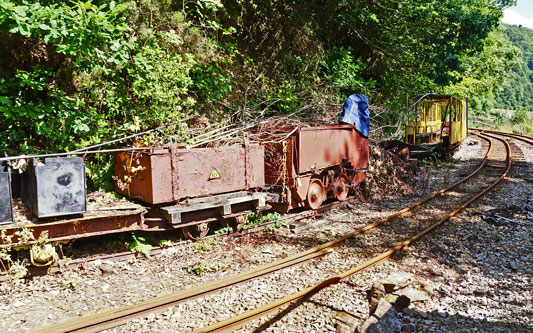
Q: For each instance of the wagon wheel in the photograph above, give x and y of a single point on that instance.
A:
(235, 223)
(197, 231)
(239, 222)
(342, 187)
(315, 194)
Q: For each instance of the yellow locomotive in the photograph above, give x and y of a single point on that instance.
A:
(434, 119)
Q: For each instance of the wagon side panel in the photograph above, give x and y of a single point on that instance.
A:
(206, 171)
(323, 147)
(255, 166)
(276, 158)
(144, 177)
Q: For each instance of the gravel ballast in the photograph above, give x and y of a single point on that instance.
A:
(478, 271)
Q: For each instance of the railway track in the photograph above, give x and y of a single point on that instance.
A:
(493, 169)
(156, 250)
(524, 138)
(492, 172)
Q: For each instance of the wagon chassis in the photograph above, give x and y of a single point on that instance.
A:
(197, 212)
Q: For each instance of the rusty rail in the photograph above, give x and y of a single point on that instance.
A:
(236, 322)
(520, 137)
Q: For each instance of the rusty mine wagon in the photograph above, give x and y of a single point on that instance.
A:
(314, 163)
(190, 188)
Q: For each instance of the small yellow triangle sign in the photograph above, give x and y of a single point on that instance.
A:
(214, 174)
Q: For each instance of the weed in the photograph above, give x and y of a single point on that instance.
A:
(140, 245)
(224, 230)
(16, 269)
(204, 245)
(200, 268)
(70, 279)
(276, 225)
(256, 219)
(166, 243)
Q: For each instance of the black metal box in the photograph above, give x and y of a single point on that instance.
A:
(6, 209)
(56, 187)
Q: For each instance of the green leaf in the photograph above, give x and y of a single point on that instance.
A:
(139, 245)
(6, 100)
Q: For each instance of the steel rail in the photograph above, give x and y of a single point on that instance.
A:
(113, 318)
(520, 137)
(117, 316)
(237, 321)
(187, 243)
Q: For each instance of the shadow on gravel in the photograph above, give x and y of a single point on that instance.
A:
(468, 246)
(444, 322)
(424, 321)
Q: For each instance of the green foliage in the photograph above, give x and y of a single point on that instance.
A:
(223, 230)
(517, 91)
(32, 108)
(166, 243)
(204, 245)
(70, 279)
(277, 225)
(342, 71)
(200, 268)
(256, 219)
(520, 116)
(140, 245)
(93, 35)
(16, 269)
(98, 71)
(486, 72)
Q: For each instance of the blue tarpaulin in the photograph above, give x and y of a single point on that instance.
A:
(355, 112)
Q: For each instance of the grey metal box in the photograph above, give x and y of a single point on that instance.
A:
(56, 187)
(6, 208)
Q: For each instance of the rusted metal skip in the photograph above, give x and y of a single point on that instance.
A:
(314, 162)
(169, 175)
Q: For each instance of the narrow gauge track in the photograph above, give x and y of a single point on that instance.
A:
(494, 171)
(518, 155)
(126, 255)
(520, 137)
(117, 317)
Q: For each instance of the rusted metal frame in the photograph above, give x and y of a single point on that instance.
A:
(73, 229)
(174, 172)
(246, 144)
(237, 321)
(153, 225)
